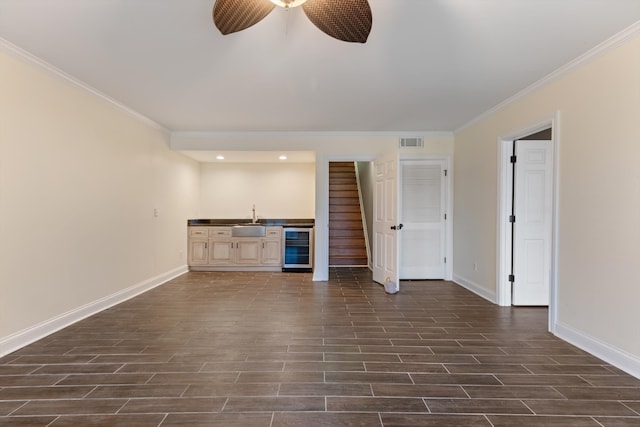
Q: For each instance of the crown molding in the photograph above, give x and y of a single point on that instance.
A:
(17, 52)
(314, 134)
(591, 55)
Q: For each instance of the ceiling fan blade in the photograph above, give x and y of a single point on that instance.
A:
(231, 16)
(346, 20)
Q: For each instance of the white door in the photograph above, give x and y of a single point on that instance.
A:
(385, 221)
(532, 236)
(423, 215)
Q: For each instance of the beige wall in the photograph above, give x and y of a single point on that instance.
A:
(278, 190)
(79, 182)
(598, 134)
(434, 144)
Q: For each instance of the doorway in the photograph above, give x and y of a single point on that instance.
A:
(527, 218)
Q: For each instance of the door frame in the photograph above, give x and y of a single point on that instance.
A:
(505, 186)
(448, 237)
(321, 241)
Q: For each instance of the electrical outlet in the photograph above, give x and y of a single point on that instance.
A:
(475, 266)
(181, 255)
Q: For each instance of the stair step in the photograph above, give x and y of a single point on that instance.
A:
(344, 201)
(344, 187)
(345, 225)
(347, 251)
(344, 208)
(355, 262)
(341, 178)
(345, 216)
(353, 194)
(349, 260)
(347, 240)
(335, 166)
(345, 232)
(348, 243)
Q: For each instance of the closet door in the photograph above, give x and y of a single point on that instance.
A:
(423, 213)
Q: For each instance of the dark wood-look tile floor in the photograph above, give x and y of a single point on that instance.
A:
(276, 349)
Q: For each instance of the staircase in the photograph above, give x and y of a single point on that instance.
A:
(347, 247)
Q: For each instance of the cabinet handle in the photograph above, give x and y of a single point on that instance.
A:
(206, 245)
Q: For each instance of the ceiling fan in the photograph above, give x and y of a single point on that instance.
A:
(346, 20)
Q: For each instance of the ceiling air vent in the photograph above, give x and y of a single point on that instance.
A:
(411, 142)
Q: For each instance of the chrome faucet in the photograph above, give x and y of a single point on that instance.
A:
(254, 218)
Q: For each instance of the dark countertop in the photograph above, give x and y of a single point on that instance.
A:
(276, 222)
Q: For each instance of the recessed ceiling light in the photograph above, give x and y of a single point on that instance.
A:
(283, 157)
(220, 157)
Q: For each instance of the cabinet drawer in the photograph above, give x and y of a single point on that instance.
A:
(273, 232)
(220, 232)
(199, 232)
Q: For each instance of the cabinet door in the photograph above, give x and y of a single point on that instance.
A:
(221, 251)
(198, 252)
(248, 251)
(272, 252)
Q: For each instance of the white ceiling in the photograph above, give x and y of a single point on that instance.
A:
(429, 65)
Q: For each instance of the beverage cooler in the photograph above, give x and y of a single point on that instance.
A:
(297, 249)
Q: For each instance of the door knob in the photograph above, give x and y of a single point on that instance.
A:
(397, 227)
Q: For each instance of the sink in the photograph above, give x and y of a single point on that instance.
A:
(248, 230)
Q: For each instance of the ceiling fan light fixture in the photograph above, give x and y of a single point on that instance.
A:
(346, 20)
(288, 3)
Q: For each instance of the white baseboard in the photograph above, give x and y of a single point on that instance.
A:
(475, 288)
(610, 354)
(27, 336)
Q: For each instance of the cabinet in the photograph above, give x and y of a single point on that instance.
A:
(234, 251)
(247, 251)
(220, 245)
(272, 246)
(213, 248)
(198, 250)
(221, 252)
